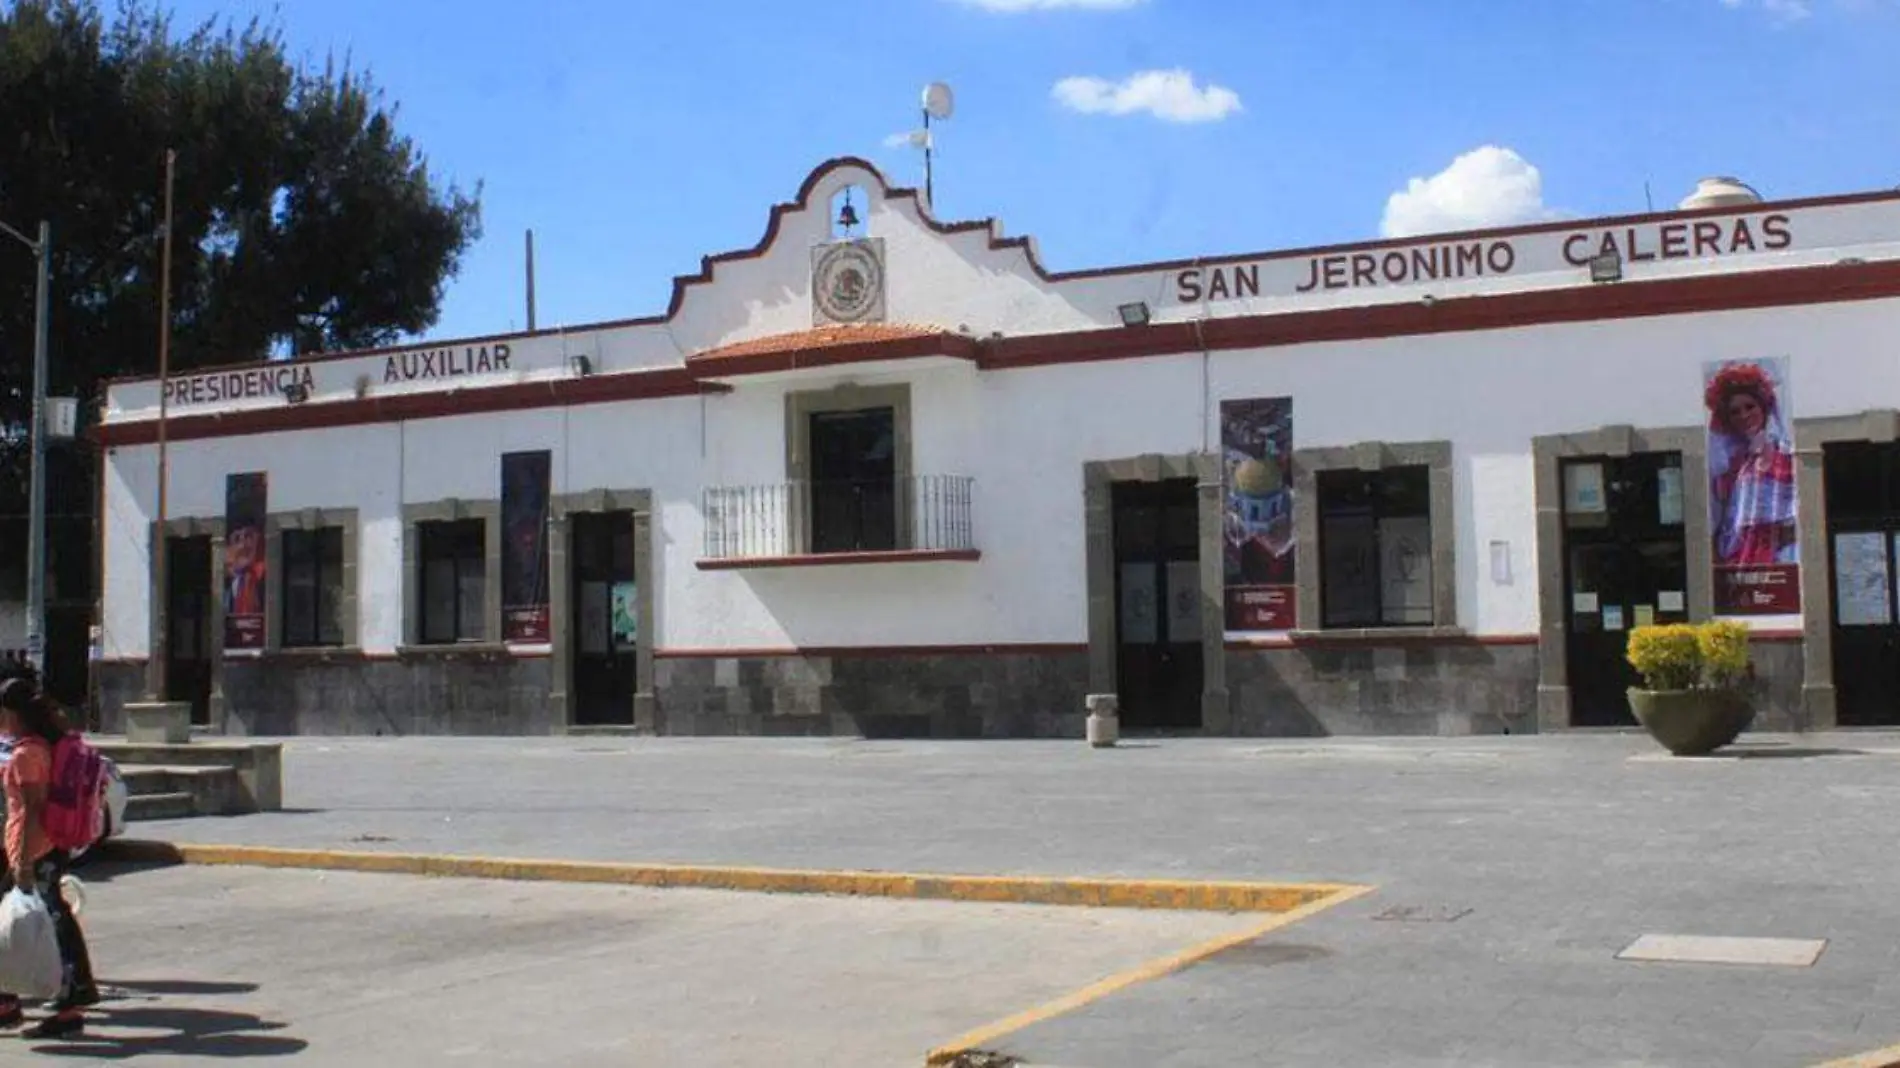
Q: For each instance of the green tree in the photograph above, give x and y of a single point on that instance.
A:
(304, 221)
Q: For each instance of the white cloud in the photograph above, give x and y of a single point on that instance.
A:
(1487, 186)
(1012, 6)
(1784, 12)
(1170, 95)
(1781, 10)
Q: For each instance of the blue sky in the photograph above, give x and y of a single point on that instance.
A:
(636, 136)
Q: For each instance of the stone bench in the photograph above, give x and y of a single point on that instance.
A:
(158, 722)
(259, 767)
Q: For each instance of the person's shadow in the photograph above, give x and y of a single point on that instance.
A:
(177, 1030)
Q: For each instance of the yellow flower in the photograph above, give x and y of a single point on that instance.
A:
(1666, 656)
(1723, 645)
(1685, 656)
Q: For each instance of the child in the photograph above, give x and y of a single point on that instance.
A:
(34, 725)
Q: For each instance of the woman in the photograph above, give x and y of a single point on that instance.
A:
(33, 724)
(1751, 490)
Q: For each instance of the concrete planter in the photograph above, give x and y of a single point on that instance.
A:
(1692, 722)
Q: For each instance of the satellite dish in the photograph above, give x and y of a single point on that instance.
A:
(939, 101)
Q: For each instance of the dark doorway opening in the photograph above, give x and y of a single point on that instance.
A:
(1158, 662)
(190, 644)
(1862, 483)
(1626, 564)
(854, 481)
(604, 618)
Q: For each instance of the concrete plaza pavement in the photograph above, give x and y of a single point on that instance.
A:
(1510, 871)
(204, 964)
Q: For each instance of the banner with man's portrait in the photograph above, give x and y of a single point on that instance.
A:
(524, 559)
(246, 563)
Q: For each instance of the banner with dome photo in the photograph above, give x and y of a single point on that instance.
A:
(1256, 457)
(1752, 502)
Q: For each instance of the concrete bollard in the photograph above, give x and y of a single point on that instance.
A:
(1104, 720)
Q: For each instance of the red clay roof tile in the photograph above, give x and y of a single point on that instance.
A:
(819, 338)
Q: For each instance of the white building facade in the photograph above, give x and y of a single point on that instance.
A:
(896, 478)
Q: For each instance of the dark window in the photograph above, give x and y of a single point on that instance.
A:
(1375, 534)
(313, 587)
(854, 481)
(1862, 481)
(454, 581)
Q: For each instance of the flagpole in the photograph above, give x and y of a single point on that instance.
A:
(161, 598)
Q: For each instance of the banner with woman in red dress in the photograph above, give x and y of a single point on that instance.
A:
(1752, 499)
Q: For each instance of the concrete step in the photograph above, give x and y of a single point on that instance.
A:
(212, 790)
(144, 779)
(239, 776)
(160, 807)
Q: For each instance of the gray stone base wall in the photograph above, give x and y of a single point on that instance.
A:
(1308, 690)
(435, 693)
(1777, 686)
(1009, 694)
(1430, 688)
(121, 682)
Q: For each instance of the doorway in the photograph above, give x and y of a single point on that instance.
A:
(1626, 564)
(1863, 530)
(854, 481)
(1158, 660)
(603, 628)
(190, 643)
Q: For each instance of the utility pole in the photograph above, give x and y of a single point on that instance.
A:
(36, 485)
(530, 281)
(161, 548)
(42, 249)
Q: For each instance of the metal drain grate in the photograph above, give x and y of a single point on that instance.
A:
(1423, 914)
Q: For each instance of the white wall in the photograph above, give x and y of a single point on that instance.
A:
(1028, 433)
(1024, 436)
(962, 278)
(376, 470)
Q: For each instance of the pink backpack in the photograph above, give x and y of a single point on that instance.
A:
(71, 815)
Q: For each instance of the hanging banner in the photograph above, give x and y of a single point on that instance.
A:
(524, 534)
(246, 577)
(1257, 455)
(1752, 499)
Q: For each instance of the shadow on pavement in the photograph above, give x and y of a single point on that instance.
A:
(181, 987)
(1784, 752)
(176, 1031)
(1268, 954)
(104, 868)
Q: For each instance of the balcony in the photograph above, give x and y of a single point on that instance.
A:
(802, 524)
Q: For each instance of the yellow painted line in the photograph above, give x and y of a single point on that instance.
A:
(1174, 894)
(1888, 1057)
(984, 1038)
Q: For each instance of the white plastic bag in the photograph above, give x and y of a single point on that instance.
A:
(29, 950)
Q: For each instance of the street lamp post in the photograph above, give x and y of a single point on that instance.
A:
(36, 486)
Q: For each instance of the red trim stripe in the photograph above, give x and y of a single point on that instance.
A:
(1785, 287)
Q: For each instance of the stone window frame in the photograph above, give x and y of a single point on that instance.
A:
(639, 503)
(450, 510)
(311, 519)
(801, 405)
(159, 637)
(1614, 442)
(1098, 518)
(1373, 456)
(1820, 710)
